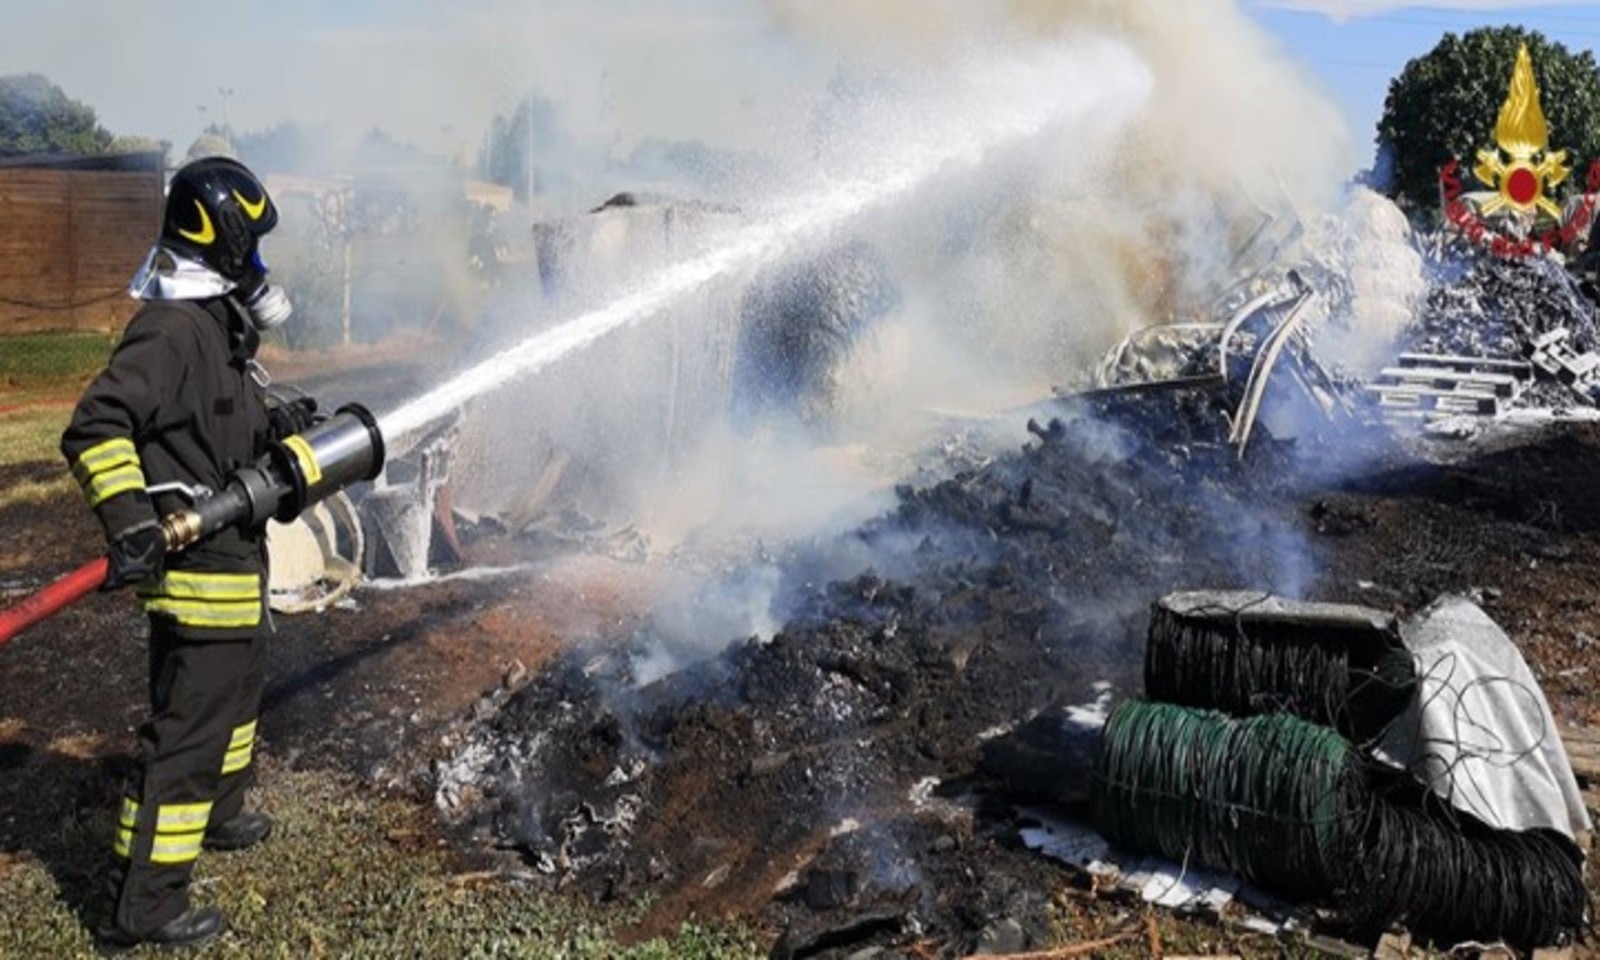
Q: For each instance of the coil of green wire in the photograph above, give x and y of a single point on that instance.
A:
(1273, 798)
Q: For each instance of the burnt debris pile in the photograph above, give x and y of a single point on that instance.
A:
(1482, 305)
(815, 780)
(1495, 333)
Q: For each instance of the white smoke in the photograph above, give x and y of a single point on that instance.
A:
(1010, 278)
(1015, 278)
(1370, 243)
(1233, 130)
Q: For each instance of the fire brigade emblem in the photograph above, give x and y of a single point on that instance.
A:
(1522, 168)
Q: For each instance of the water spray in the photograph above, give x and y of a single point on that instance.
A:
(995, 106)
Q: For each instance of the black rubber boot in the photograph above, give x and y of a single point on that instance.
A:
(245, 830)
(188, 929)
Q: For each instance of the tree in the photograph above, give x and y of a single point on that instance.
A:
(512, 150)
(534, 150)
(1443, 107)
(288, 147)
(36, 116)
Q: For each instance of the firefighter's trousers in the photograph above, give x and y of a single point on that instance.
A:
(194, 766)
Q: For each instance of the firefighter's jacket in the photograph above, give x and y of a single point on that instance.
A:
(178, 401)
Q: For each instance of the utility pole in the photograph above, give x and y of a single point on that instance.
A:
(527, 148)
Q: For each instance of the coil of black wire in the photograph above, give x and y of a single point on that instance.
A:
(1450, 882)
(1212, 658)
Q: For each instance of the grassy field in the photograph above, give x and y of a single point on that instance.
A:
(43, 367)
(33, 435)
(40, 377)
(346, 874)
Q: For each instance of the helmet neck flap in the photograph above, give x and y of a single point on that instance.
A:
(170, 275)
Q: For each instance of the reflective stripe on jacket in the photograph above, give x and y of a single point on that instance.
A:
(196, 599)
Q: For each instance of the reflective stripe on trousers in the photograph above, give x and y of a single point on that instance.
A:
(240, 746)
(180, 828)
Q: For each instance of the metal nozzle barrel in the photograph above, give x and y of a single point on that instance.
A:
(296, 473)
(344, 449)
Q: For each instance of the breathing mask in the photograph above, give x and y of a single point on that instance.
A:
(266, 303)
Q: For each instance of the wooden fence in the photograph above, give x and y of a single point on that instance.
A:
(70, 240)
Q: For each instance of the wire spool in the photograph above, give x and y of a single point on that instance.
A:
(1274, 799)
(1248, 653)
(1295, 808)
(1451, 880)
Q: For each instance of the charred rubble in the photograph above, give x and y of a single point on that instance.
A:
(1496, 333)
(838, 782)
(1482, 305)
(824, 781)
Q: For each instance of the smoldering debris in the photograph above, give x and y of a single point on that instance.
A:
(787, 778)
(1020, 583)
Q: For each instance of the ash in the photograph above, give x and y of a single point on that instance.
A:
(1018, 584)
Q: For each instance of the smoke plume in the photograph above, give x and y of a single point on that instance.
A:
(1007, 280)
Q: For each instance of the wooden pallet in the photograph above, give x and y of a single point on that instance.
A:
(1521, 369)
(1409, 398)
(1445, 378)
(1552, 353)
(1436, 384)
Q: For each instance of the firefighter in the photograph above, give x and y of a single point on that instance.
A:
(180, 405)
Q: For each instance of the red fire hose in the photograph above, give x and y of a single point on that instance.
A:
(67, 590)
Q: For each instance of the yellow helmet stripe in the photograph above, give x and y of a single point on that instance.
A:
(253, 210)
(205, 234)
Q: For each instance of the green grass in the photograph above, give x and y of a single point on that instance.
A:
(346, 874)
(51, 361)
(33, 434)
(40, 375)
(31, 493)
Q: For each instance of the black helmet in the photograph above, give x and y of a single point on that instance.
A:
(216, 211)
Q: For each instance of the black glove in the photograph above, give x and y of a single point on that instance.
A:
(290, 413)
(136, 555)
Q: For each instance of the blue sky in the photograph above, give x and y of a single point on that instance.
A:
(1354, 53)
